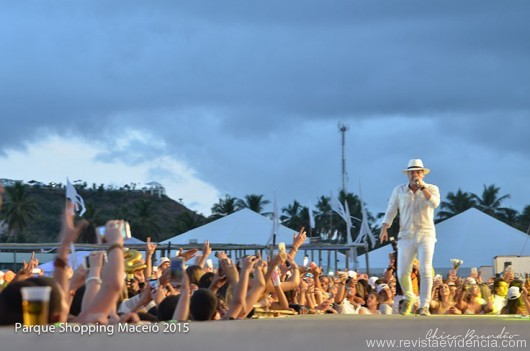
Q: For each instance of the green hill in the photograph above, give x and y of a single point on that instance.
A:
(149, 215)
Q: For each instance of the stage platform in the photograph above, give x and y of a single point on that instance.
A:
(304, 333)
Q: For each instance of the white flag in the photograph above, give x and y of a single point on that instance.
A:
(348, 223)
(275, 222)
(365, 231)
(340, 209)
(72, 194)
(311, 217)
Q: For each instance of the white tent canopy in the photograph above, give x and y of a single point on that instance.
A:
(241, 227)
(472, 236)
(48, 267)
(247, 227)
(133, 241)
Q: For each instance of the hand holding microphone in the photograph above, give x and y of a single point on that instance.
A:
(419, 183)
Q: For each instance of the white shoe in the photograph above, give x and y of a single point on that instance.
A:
(424, 311)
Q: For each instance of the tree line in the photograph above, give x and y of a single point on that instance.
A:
(328, 222)
(20, 210)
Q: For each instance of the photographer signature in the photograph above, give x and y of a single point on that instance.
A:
(471, 334)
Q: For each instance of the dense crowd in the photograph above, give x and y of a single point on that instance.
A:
(251, 286)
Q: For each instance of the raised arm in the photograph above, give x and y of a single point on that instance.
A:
(93, 281)
(275, 262)
(112, 275)
(149, 251)
(298, 240)
(206, 251)
(77, 281)
(69, 234)
(294, 280)
(238, 303)
(183, 306)
(341, 290)
(258, 287)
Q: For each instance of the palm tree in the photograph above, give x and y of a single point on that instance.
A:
(455, 204)
(524, 219)
(253, 202)
(292, 216)
(490, 202)
(19, 210)
(509, 216)
(125, 213)
(145, 223)
(325, 217)
(224, 207)
(187, 221)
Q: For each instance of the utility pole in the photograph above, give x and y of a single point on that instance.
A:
(343, 129)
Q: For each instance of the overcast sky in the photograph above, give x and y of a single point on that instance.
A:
(240, 97)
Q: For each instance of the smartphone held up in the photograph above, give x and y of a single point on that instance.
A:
(177, 268)
(125, 232)
(282, 251)
(153, 283)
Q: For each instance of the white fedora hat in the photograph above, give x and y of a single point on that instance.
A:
(416, 164)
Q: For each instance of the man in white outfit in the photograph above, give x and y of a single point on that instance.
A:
(415, 202)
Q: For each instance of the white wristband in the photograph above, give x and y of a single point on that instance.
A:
(96, 279)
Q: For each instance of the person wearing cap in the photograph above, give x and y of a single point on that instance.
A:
(517, 300)
(162, 263)
(373, 282)
(415, 201)
(386, 298)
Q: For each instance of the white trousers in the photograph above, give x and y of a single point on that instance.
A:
(408, 248)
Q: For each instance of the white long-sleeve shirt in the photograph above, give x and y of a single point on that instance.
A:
(416, 213)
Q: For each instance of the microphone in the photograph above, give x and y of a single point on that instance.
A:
(417, 182)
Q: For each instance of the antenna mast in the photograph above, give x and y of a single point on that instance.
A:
(343, 129)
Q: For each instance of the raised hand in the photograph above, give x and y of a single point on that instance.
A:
(113, 230)
(247, 263)
(150, 247)
(299, 239)
(206, 249)
(78, 279)
(188, 254)
(229, 270)
(69, 230)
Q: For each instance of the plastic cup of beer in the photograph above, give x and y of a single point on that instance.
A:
(35, 304)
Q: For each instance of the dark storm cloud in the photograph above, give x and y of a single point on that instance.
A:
(505, 130)
(249, 93)
(303, 58)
